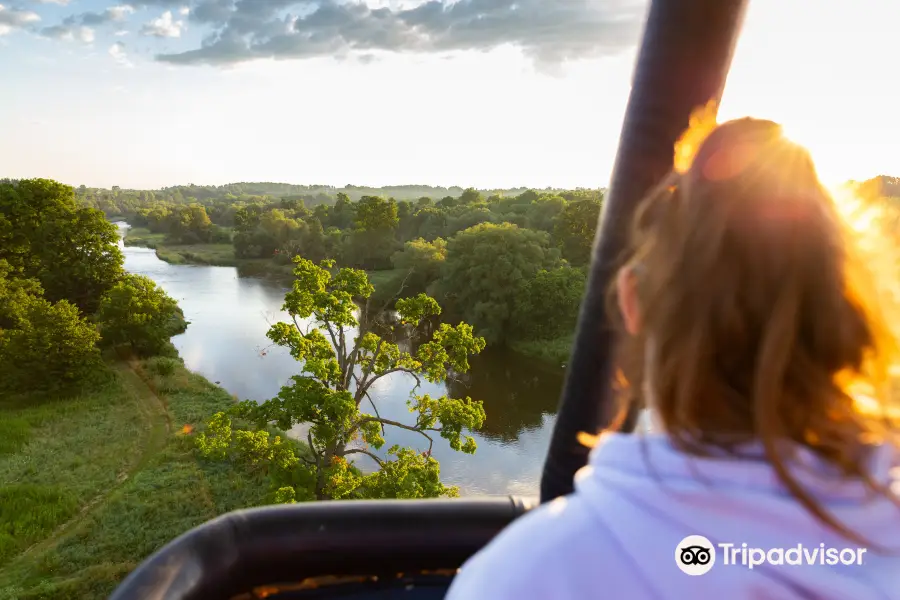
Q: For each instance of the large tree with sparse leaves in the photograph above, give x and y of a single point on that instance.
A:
(332, 393)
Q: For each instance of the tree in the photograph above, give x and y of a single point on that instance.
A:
(470, 196)
(372, 243)
(314, 243)
(466, 219)
(374, 213)
(547, 305)
(486, 265)
(342, 214)
(429, 223)
(72, 251)
(44, 346)
(138, 313)
(574, 230)
(422, 257)
(189, 224)
(418, 266)
(542, 212)
(336, 377)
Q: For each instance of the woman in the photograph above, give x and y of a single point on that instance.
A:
(746, 320)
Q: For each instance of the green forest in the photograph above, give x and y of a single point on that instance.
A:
(105, 431)
(510, 262)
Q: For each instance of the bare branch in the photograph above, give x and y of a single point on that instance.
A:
(375, 408)
(331, 334)
(361, 331)
(265, 350)
(297, 325)
(365, 384)
(366, 452)
(396, 296)
(402, 426)
(394, 370)
(364, 315)
(340, 355)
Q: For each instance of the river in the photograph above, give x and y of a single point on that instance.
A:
(226, 343)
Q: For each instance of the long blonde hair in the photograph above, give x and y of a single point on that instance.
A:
(758, 308)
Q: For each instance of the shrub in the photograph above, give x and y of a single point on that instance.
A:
(51, 347)
(139, 314)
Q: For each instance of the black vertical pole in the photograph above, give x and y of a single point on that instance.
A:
(683, 63)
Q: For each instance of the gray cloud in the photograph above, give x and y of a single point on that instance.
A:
(81, 26)
(11, 18)
(548, 31)
(108, 15)
(112, 14)
(69, 33)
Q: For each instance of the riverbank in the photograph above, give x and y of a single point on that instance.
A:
(214, 255)
(89, 473)
(554, 352)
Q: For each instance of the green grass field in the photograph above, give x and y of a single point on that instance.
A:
(221, 255)
(141, 236)
(198, 254)
(95, 483)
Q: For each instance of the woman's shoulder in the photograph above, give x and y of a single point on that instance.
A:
(554, 551)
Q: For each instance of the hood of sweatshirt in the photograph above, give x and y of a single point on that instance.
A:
(650, 497)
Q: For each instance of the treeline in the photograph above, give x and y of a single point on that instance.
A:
(64, 295)
(511, 265)
(121, 203)
(881, 187)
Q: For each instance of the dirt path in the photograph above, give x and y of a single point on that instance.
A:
(158, 422)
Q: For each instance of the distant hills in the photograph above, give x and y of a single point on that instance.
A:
(355, 192)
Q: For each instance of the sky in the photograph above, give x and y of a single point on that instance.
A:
(484, 93)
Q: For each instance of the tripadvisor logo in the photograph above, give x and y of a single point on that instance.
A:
(696, 555)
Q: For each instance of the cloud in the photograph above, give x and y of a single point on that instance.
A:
(117, 51)
(549, 32)
(121, 32)
(108, 15)
(184, 11)
(80, 26)
(11, 19)
(69, 33)
(163, 26)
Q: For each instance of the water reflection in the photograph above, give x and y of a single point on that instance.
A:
(226, 343)
(518, 393)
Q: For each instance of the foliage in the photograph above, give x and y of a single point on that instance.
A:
(44, 346)
(416, 267)
(547, 305)
(372, 242)
(336, 378)
(574, 230)
(389, 232)
(374, 213)
(485, 268)
(138, 313)
(72, 251)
